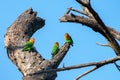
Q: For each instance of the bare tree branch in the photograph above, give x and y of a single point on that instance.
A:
(60, 55)
(117, 66)
(98, 64)
(85, 73)
(32, 65)
(103, 44)
(95, 26)
(115, 33)
(88, 22)
(85, 10)
(95, 22)
(79, 12)
(104, 30)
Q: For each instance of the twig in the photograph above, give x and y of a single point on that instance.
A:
(97, 25)
(84, 3)
(89, 1)
(103, 44)
(103, 28)
(87, 72)
(68, 11)
(90, 23)
(100, 63)
(79, 12)
(117, 66)
(63, 65)
(115, 33)
(85, 9)
(70, 8)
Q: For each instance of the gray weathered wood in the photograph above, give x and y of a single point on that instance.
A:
(30, 63)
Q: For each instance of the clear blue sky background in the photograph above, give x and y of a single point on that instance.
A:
(85, 48)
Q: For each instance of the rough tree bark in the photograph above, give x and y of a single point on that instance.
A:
(91, 19)
(30, 63)
(94, 22)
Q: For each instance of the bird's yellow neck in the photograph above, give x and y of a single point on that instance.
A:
(56, 44)
(32, 40)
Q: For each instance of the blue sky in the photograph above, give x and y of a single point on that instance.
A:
(85, 48)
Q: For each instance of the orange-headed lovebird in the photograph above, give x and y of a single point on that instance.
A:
(68, 39)
(55, 49)
(29, 45)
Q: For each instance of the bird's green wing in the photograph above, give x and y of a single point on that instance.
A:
(55, 50)
(69, 40)
(28, 46)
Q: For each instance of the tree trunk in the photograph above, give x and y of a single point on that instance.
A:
(30, 63)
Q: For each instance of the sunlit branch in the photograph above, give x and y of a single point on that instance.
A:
(85, 73)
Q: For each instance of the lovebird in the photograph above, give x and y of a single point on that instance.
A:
(68, 39)
(55, 49)
(29, 45)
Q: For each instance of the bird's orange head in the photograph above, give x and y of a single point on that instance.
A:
(32, 40)
(66, 36)
(56, 44)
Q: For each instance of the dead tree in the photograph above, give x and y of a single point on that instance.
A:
(31, 63)
(91, 19)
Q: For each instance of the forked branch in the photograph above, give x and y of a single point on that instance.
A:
(94, 22)
(85, 73)
(97, 64)
(104, 30)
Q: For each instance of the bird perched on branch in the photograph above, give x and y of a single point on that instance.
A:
(55, 49)
(68, 39)
(29, 45)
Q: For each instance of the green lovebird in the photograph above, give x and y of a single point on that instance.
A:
(29, 45)
(55, 49)
(68, 39)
